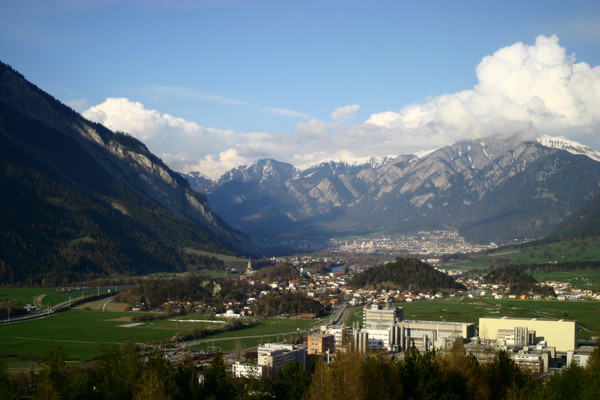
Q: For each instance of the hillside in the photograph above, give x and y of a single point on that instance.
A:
(581, 224)
(79, 201)
(407, 274)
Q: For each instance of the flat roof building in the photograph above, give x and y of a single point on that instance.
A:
(425, 335)
(378, 317)
(561, 334)
(320, 343)
(276, 356)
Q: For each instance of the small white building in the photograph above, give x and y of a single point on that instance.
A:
(229, 314)
(239, 370)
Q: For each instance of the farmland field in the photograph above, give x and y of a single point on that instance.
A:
(540, 253)
(45, 296)
(82, 332)
(582, 279)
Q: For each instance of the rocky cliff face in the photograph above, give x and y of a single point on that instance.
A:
(494, 189)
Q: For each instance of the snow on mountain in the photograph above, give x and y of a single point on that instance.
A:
(571, 146)
(372, 161)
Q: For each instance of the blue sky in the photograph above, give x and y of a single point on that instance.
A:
(211, 84)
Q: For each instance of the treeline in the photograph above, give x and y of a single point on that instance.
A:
(213, 292)
(282, 272)
(517, 279)
(286, 303)
(408, 274)
(454, 375)
(123, 373)
(564, 266)
(199, 333)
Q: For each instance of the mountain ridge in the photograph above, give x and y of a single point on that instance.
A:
(491, 189)
(103, 202)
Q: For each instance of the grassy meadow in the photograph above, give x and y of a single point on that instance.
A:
(588, 279)
(45, 296)
(83, 332)
(587, 249)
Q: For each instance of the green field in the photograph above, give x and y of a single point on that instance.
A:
(45, 296)
(587, 249)
(583, 279)
(83, 332)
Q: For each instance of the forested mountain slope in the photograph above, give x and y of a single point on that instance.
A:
(80, 201)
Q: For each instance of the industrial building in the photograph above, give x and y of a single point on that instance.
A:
(320, 343)
(275, 356)
(425, 335)
(560, 334)
(379, 317)
(385, 330)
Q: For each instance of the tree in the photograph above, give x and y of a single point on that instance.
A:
(59, 380)
(117, 372)
(8, 387)
(506, 379)
(381, 379)
(187, 381)
(463, 373)
(291, 382)
(151, 386)
(216, 382)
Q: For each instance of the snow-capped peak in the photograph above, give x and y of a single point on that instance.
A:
(568, 145)
(372, 161)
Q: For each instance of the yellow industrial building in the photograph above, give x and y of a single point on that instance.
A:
(560, 334)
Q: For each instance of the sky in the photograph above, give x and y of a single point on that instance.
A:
(209, 85)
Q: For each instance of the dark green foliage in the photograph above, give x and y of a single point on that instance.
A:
(583, 223)
(117, 372)
(406, 274)
(212, 292)
(517, 279)
(291, 382)
(282, 272)
(422, 377)
(122, 373)
(506, 379)
(72, 209)
(286, 303)
(9, 389)
(217, 384)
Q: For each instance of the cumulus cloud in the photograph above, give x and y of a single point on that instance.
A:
(345, 113)
(520, 87)
(525, 89)
(180, 143)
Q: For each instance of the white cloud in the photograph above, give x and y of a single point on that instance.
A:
(178, 142)
(526, 89)
(520, 87)
(345, 113)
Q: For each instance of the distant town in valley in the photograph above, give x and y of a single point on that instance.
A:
(432, 242)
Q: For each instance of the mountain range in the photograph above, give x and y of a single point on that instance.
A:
(80, 201)
(495, 189)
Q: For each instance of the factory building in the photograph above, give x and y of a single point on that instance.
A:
(320, 343)
(275, 356)
(380, 317)
(560, 334)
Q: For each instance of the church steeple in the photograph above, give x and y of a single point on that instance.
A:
(249, 270)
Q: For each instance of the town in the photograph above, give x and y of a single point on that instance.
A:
(539, 345)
